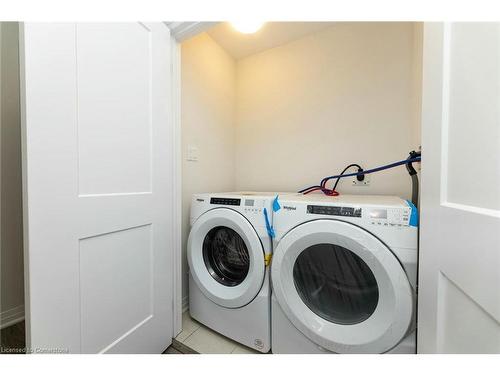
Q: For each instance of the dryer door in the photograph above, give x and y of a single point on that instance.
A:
(342, 287)
(226, 257)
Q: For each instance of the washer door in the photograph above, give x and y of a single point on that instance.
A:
(226, 257)
(342, 287)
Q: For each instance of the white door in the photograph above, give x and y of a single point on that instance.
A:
(459, 289)
(226, 257)
(342, 287)
(97, 186)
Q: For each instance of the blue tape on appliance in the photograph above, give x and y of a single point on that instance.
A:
(276, 204)
(270, 229)
(413, 214)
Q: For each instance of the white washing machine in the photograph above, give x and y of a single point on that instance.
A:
(228, 252)
(344, 275)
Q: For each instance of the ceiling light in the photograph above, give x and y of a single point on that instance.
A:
(247, 27)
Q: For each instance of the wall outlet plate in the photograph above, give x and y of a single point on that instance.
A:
(365, 182)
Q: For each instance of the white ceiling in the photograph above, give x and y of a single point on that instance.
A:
(272, 34)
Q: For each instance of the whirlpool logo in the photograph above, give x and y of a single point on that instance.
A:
(289, 208)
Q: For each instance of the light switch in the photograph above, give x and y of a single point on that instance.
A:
(192, 153)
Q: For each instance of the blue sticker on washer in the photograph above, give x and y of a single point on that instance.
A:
(270, 230)
(413, 214)
(276, 204)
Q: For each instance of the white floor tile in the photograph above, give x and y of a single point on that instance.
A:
(241, 349)
(189, 326)
(206, 341)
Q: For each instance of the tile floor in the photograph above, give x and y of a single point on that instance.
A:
(201, 339)
(172, 350)
(12, 339)
(194, 338)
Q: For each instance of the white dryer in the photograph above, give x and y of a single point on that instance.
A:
(344, 275)
(228, 252)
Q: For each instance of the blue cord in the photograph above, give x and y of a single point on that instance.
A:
(269, 227)
(381, 168)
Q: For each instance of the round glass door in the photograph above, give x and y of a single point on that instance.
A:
(226, 257)
(335, 284)
(342, 287)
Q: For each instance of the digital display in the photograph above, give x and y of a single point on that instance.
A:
(378, 214)
(249, 202)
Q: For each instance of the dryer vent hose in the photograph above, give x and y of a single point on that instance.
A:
(414, 177)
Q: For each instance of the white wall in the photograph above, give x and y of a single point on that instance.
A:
(349, 93)
(417, 59)
(284, 118)
(207, 121)
(12, 277)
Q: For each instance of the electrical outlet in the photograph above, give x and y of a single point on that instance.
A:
(365, 182)
(192, 153)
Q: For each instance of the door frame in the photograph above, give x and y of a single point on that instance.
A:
(179, 32)
(177, 188)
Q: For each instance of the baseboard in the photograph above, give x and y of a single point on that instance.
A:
(185, 304)
(11, 316)
(184, 349)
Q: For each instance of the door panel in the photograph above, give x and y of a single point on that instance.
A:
(109, 79)
(473, 112)
(98, 160)
(455, 309)
(110, 254)
(459, 303)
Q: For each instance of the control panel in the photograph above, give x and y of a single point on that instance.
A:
(226, 201)
(251, 206)
(334, 210)
(390, 217)
(376, 216)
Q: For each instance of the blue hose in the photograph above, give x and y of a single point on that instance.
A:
(381, 168)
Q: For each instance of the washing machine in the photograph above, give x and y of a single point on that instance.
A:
(344, 275)
(228, 252)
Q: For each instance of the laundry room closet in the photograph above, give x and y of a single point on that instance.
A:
(155, 181)
(116, 140)
(280, 109)
(274, 111)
